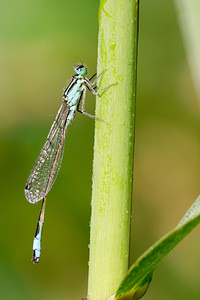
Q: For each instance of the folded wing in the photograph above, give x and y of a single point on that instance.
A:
(47, 165)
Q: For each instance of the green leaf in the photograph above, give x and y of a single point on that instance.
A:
(139, 276)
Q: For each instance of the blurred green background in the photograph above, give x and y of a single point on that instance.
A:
(40, 42)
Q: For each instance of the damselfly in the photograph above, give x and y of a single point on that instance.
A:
(47, 165)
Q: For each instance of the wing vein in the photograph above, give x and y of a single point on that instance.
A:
(48, 163)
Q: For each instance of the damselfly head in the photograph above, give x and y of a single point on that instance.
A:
(80, 70)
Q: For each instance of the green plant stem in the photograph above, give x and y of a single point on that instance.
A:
(113, 149)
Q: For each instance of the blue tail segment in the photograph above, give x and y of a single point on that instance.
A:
(38, 234)
(37, 243)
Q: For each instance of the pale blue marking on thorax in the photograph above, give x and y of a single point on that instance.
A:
(73, 96)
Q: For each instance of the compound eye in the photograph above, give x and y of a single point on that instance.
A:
(80, 70)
